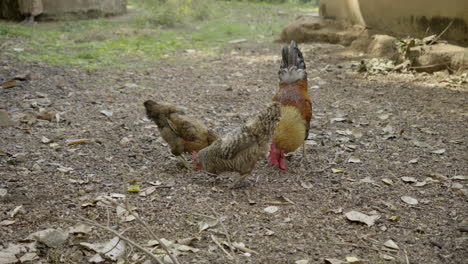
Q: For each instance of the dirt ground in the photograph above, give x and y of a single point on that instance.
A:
(368, 132)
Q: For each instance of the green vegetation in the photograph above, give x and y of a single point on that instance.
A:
(153, 29)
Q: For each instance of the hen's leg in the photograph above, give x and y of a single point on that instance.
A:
(304, 153)
(239, 182)
(186, 163)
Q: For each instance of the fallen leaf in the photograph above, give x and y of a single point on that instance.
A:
(333, 261)
(77, 141)
(456, 177)
(356, 216)
(3, 192)
(271, 209)
(301, 261)
(387, 181)
(147, 191)
(367, 180)
(28, 257)
(334, 170)
(387, 257)
(113, 249)
(80, 229)
(409, 200)
(337, 119)
(45, 140)
(9, 84)
(421, 144)
(384, 116)
(50, 237)
(185, 248)
(205, 225)
(241, 246)
(420, 184)
(7, 222)
(394, 218)
(352, 260)
(391, 244)
(439, 151)
(15, 211)
(354, 160)
(409, 179)
(133, 188)
(413, 161)
(64, 169)
(107, 113)
(306, 185)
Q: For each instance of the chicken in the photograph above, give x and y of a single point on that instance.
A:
(241, 149)
(296, 108)
(183, 134)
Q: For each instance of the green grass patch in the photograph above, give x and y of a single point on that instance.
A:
(152, 30)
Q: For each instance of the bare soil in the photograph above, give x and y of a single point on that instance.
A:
(403, 118)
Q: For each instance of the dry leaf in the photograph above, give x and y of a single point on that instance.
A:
(409, 179)
(7, 222)
(271, 209)
(439, 151)
(334, 170)
(387, 181)
(354, 160)
(409, 200)
(391, 244)
(356, 216)
(147, 191)
(77, 141)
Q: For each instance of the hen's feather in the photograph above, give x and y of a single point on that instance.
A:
(241, 149)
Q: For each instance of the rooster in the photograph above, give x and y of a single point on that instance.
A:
(296, 108)
(183, 134)
(241, 149)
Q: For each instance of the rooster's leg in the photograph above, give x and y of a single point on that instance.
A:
(304, 153)
(186, 163)
(239, 182)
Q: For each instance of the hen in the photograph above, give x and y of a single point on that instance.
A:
(241, 149)
(184, 134)
(296, 108)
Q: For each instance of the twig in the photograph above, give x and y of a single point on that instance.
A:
(163, 246)
(207, 216)
(440, 35)
(430, 68)
(128, 240)
(406, 255)
(241, 248)
(228, 237)
(221, 247)
(353, 245)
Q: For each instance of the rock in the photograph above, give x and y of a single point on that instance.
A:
(314, 28)
(439, 56)
(5, 120)
(50, 237)
(383, 46)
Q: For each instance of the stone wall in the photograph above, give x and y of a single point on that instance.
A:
(56, 9)
(404, 17)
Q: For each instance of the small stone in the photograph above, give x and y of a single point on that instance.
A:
(457, 186)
